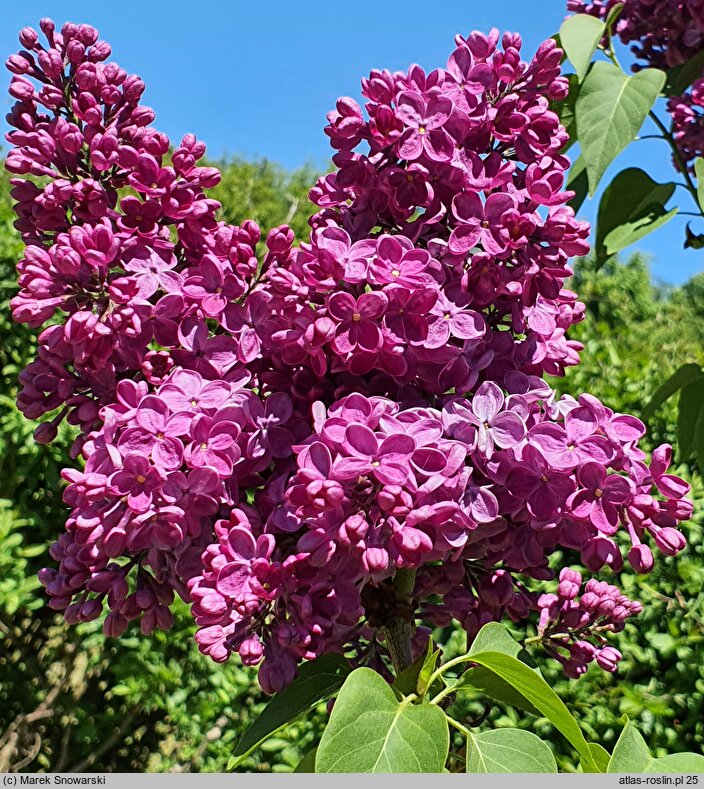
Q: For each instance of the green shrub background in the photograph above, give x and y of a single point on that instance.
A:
(71, 700)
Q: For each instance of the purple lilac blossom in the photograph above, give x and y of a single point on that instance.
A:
(270, 429)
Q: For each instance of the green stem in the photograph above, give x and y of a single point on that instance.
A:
(611, 55)
(398, 632)
(458, 726)
(689, 183)
(443, 693)
(404, 581)
(445, 667)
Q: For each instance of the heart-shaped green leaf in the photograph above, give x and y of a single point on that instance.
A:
(495, 637)
(632, 206)
(600, 756)
(632, 755)
(579, 36)
(610, 110)
(370, 731)
(508, 751)
(565, 111)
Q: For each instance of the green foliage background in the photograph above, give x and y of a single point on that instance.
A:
(71, 700)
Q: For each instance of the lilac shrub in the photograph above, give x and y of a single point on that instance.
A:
(279, 432)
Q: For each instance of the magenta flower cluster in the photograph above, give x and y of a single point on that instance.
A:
(271, 430)
(663, 34)
(566, 615)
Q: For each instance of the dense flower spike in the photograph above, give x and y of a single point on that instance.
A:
(272, 431)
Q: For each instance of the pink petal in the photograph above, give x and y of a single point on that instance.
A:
(389, 249)
(580, 423)
(410, 146)
(439, 109)
(242, 542)
(233, 580)
(214, 394)
(591, 476)
(398, 444)
(341, 305)
(467, 207)
(410, 108)
(350, 468)
(372, 305)
(439, 146)
(391, 473)
(152, 414)
(604, 516)
(361, 441)
(464, 237)
(179, 424)
(672, 487)
(507, 429)
(487, 401)
(134, 439)
(438, 333)
(468, 325)
(168, 453)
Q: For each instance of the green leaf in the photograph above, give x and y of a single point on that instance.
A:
(681, 77)
(613, 16)
(495, 637)
(677, 763)
(631, 755)
(407, 680)
(371, 732)
(579, 36)
(508, 751)
(486, 682)
(578, 182)
(698, 443)
(307, 763)
(632, 206)
(699, 172)
(683, 376)
(536, 691)
(565, 111)
(689, 410)
(430, 663)
(317, 680)
(611, 108)
(600, 756)
(414, 678)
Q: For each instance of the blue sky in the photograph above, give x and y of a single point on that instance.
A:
(257, 78)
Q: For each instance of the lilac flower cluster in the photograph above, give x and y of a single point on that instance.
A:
(687, 113)
(565, 616)
(663, 34)
(274, 431)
